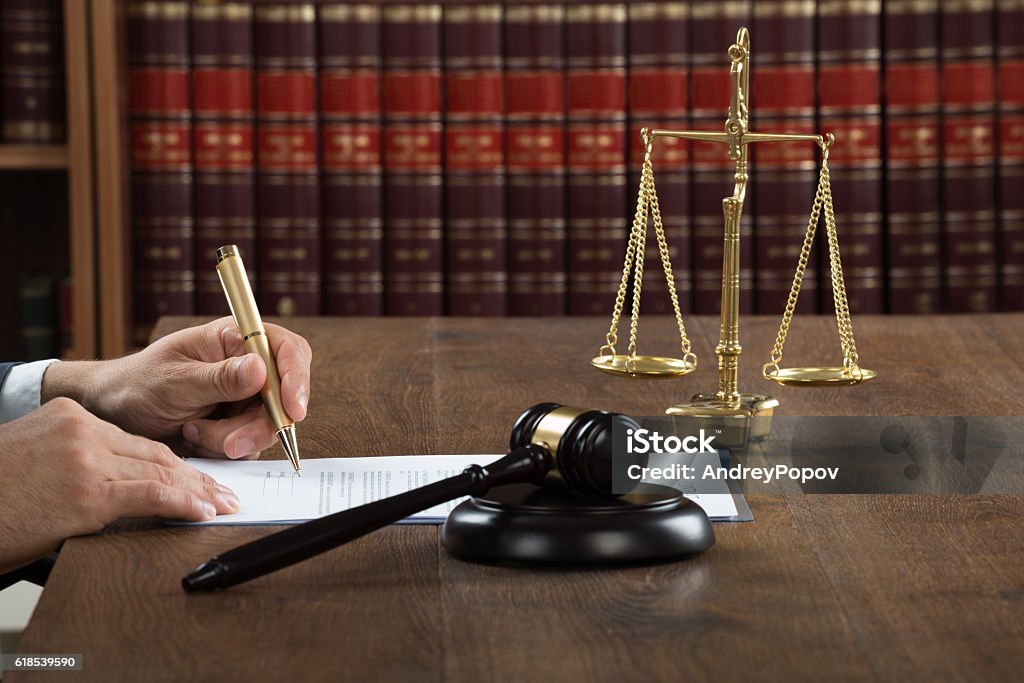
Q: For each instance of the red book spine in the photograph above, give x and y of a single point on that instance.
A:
(713, 27)
(413, 182)
(850, 106)
(223, 143)
(353, 202)
(968, 155)
(474, 160)
(535, 158)
(784, 174)
(596, 46)
(161, 159)
(1010, 27)
(288, 198)
(32, 71)
(659, 59)
(913, 208)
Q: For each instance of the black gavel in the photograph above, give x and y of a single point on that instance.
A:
(551, 445)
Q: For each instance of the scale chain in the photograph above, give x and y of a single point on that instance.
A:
(666, 263)
(611, 339)
(647, 208)
(822, 202)
(798, 277)
(843, 320)
(638, 275)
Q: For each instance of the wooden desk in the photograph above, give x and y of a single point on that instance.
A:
(823, 587)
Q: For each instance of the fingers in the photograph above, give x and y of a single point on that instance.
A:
(182, 476)
(294, 358)
(242, 436)
(142, 459)
(151, 498)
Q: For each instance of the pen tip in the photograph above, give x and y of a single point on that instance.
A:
(286, 436)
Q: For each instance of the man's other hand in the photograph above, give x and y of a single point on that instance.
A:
(67, 473)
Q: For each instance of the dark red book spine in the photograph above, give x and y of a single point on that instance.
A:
(913, 204)
(713, 27)
(288, 197)
(413, 181)
(596, 47)
(968, 155)
(477, 279)
(1010, 37)
(160, 113)
(32, 71)
(535, 158)
(350, 126)
(223, 142)
(784, 174)
(850, 106)
(659, 57)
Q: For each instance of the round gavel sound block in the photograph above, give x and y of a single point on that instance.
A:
(523, 524)
(572, 518)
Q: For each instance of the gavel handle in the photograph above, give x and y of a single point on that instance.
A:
(300, 542)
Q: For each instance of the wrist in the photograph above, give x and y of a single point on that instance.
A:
(81, 381)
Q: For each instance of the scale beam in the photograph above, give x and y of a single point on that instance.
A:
(745, 139)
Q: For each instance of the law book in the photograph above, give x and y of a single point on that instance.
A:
(659, 57)
(1010, 47)
(968, 156)
(784, 174)
(32, 71)
(223, 143)
(160, 121)
(912, 162)
(413, 178)
(850, 106)
(713, 27)
(287, 177)
(475, 228)
(352, 164)
(597, 193)
(535, 158)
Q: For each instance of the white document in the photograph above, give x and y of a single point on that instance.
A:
(271, 493)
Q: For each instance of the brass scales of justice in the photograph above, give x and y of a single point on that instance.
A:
(738, 417)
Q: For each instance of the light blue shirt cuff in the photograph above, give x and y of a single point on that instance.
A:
(20, 393)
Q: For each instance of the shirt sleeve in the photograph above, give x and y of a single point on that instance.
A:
(20, 392)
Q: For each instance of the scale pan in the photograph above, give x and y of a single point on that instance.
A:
(643, 367)
(821, 377)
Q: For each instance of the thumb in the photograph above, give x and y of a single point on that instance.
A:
(234, 379)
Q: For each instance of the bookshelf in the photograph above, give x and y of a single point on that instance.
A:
(48, 196)
(33, 157)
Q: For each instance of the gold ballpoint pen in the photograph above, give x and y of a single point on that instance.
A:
(247, 317)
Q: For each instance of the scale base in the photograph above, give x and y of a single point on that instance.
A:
(523, 525)
(734, 424)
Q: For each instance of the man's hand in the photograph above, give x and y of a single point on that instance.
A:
(66, 472)
(198, 384)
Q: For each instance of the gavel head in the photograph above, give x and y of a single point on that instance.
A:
(580, 441)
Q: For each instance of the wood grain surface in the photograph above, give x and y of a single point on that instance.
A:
(818, 587)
